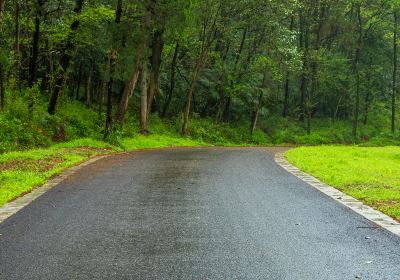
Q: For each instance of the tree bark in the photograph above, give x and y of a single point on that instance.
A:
(256, 113)
(157, 48)
(35, 44)
(17, 51)
(394, 81)
(171, 81)
(65, 60)
(357, 71)
(127, 94)
(78, 88)
(143, 100)
(111, 67)
(287, 82)
(88, 88)
(100, 96)
(186, 112)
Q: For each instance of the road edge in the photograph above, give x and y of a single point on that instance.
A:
(12, 207)
(375, 216)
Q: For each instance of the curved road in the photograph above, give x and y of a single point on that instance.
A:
(208, 213)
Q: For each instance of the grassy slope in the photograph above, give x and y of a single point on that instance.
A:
(370, 174)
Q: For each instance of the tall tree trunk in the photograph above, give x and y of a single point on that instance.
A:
(304, 42)
(111, 67)
(2, 87)
(368, 95)
(287, 82)
(88, 88)
(78, 87)
(171, 81)
(144, 129)
(357, 71)
(110, 94)
(256, 113)
(394, 82)
(35, 44)
(100, 96)
(65, 60)
(126, 95)
(157, 48)
(17, 51)
(140, 52)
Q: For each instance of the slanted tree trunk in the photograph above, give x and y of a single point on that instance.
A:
(208, 39)
(144, 129)
(171, 81)
(394, 81)
(65, 60)
(126, 95)
(140, 52)
(256, 113)
(157, 48)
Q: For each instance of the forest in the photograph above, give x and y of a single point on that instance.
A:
(242, 72)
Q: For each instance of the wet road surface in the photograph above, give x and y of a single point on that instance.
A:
(209, 213)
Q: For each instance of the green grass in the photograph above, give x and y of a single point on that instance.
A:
(370, 174)
(21, 171)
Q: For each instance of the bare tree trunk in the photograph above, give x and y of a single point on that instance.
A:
(304, 42)
(110, 93)
(394, 84)
(35, 43)
(256, 113)
(157, 48)
(88, 88)
(143, 100)
(127, 94)
(171, 81)
(287, 81)
(186, 112)
(65, 60)
(357, 72)
(79, 81)
(2, 87)
(111, 67)
(17, 58)
(368, 95)
(100, 96)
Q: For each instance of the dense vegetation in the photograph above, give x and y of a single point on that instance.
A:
(251, 71)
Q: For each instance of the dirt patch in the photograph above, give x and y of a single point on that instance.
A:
(41, 165)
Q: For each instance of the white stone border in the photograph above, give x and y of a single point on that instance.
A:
(357, 206)
(10, 208)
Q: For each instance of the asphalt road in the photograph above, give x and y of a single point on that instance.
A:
(208, 213)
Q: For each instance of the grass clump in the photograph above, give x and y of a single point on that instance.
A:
(370, 174)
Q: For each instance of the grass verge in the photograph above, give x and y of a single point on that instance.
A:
(22, 171)
(370, 174)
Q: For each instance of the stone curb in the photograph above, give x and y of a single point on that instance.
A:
(10, 208)
(357, 206)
